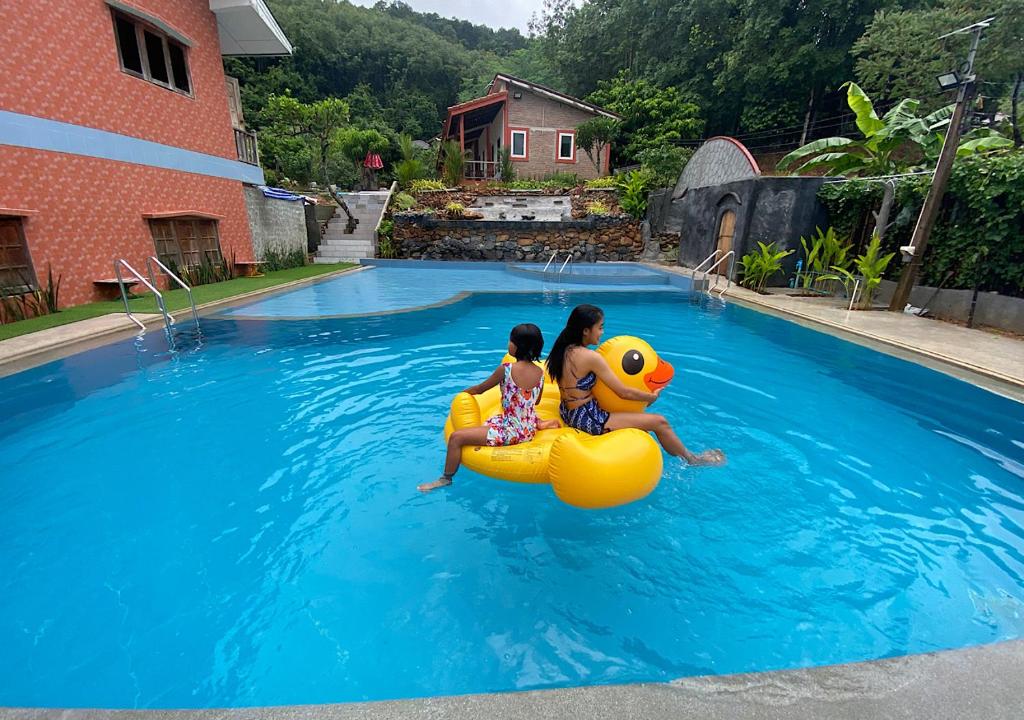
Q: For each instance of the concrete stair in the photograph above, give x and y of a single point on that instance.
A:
(336, 245)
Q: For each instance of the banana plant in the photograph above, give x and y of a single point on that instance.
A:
(883, 147)
(824, 251)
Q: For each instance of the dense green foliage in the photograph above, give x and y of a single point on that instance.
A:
(675, 70)
(980, 231)
(759, 266)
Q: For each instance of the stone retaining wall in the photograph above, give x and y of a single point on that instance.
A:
(593, 238)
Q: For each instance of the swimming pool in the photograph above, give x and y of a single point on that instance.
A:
(238, 525)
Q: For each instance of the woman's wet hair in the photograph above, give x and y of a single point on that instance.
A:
(528, 341)
(581, 318)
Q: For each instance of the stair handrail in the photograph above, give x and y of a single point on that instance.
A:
(168, 319)
(550, 260)
(705, 261)
(383, 212)
(568, 261)
(175, 278)
(731, 257)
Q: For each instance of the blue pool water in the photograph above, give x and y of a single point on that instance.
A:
(238, 525)
(406, 285)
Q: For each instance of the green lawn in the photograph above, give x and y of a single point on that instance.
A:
(176, 299)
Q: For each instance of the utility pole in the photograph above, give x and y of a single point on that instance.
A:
(914, 252)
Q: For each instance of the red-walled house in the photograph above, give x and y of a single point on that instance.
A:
(120, 138)
(536, 123)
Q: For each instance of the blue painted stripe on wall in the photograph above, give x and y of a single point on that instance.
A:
(41, 134)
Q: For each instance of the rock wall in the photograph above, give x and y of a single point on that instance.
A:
(278, 225)
(593, 238)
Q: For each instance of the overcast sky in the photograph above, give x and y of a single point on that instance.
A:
(492, 13)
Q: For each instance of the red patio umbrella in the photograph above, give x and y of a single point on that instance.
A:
(373, 161)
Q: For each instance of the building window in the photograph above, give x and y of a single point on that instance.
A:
(519, 144)
(184, 242)
(148, 53)
(16, 274)
(566, 151)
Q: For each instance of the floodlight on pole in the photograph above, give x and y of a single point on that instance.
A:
(950, 80)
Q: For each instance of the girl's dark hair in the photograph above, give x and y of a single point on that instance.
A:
(581, 318)
(528, 341)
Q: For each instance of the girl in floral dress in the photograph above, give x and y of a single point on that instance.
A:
(522, 384)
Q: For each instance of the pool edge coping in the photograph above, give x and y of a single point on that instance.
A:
(966, 683)
(986, 378)
(62, 348)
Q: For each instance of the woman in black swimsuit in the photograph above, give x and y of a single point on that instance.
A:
(577, 369)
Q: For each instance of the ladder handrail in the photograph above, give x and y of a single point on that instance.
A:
(567, 261)
(168, 319)
(550, 260)
(731, 257)
(167, 271)
(693, 273)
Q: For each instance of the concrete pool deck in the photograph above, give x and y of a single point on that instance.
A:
(992, 361)
(979, 683)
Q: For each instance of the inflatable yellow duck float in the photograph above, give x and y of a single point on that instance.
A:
(586, 471)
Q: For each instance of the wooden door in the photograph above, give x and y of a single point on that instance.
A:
(726, 230)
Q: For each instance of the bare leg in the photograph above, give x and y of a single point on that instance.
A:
(666, 436)
(456, 441)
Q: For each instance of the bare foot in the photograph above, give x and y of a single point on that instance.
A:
(439, 483)
(708, 457)
(548, 425)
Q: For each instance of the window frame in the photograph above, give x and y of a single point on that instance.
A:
(525, 132)
(195, 240)
(571, 134)
(30, 272)
(141, 27)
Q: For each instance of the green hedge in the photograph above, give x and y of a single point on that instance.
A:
(979, 233)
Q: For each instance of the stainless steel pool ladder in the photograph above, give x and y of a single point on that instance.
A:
(715, 263)
(568, 261)
(167, 271)
(168, 318)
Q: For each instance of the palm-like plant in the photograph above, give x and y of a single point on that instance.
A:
(870, 266)
(877, 153)
(759, 266)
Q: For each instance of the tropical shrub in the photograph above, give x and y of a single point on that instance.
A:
(403, 201)
(386, 239)
(870, 266)
(410, 167)
(758, 267)
(453, 163)
(823, 252)
(454, 210)
(275, 259)
(633, 188)
(417, 186)
(506, 168)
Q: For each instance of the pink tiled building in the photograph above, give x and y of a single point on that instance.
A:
(121, 136)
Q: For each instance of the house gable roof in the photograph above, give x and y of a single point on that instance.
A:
(553, 95)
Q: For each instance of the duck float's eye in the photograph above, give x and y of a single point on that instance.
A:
(632, 362)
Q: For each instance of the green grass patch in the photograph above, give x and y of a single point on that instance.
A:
(176, 299)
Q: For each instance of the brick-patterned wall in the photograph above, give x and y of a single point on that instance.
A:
(545, 117)
(89, 212)
(59, 61)
(596, 238)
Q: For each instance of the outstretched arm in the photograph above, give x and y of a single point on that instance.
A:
(491, 381)
(599, 365)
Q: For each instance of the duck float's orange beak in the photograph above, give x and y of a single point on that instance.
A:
(660, 377)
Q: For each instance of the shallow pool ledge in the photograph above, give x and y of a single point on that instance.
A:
(979, 683)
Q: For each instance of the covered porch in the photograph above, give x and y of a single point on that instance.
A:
(479, 127)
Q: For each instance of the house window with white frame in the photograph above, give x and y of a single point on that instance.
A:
(518, 143)
(566, 150)
(147, 53)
